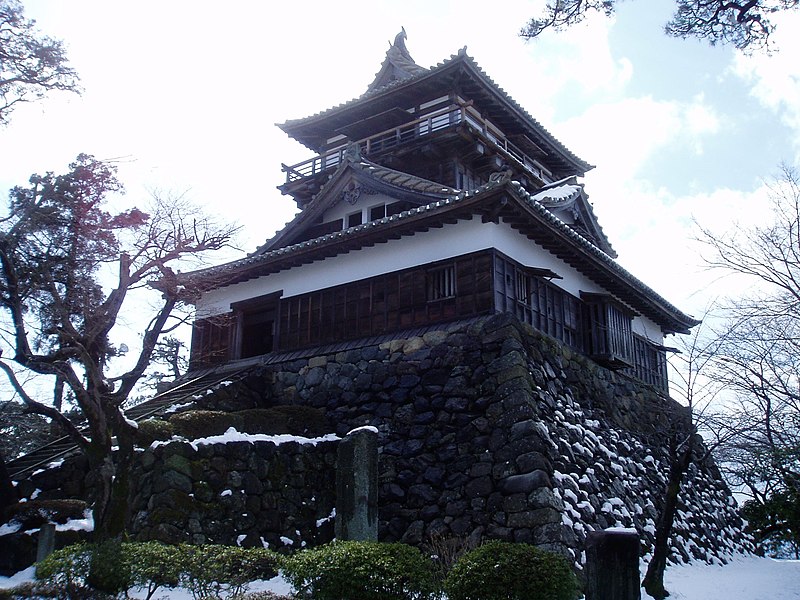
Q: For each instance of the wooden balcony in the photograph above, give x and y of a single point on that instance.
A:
(442, 119)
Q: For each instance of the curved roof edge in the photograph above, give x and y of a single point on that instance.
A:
(671, 318)
(461, 57)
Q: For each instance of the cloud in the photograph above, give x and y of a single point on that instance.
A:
(775, 78)
(700, 120)
(624, 138)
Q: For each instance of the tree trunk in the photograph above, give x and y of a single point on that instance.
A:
(8, 494)
(58, 393)
(112, 470)
(112, 498)
(654, 578)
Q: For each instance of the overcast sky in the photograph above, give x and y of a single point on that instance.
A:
(186, 94)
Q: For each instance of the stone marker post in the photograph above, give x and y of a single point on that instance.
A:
(47, 541)
(357, 486)
(612, 565)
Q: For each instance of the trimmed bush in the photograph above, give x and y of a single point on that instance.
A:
(66, 571)
(361, 571)
(109, 569)
(506, 571)
(153, 565)
(35, 513)
(211, 569)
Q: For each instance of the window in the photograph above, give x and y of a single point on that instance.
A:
(256, 331)
(211, 341)
(650, 363)
(377, 212)
(608, 324)
(354, 219)
(537, 302)
(440, 283)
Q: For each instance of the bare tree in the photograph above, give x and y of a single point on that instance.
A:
(745, 24)
(698, 393)
(759, 354)
(31, 64)
(68, 270)
(172, 354)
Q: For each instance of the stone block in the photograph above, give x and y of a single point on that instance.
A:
(480, 487)
(357, 486)
(317, 361)
(534, 518)
(526, 483)
(612, 565)
(178, 463)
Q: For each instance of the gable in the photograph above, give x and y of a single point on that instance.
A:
(357, 187)
(568, 200)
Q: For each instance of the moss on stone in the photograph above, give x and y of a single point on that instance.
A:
(291, 419)
(194, 424)
(152, 430)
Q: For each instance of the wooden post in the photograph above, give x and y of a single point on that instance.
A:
(612, 565)
(357, 486)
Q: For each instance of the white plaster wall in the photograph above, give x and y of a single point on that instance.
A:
(647, 329)
(425, 247)
(436, 244)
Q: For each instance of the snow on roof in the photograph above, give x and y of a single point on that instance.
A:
(561, 192)
(232, 435)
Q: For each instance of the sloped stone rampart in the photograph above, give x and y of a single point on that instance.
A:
(494, 430)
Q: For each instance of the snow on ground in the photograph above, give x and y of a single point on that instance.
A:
(744, 578)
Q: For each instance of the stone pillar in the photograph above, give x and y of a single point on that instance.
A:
(47, 541)
(612, 565)
(357, 486)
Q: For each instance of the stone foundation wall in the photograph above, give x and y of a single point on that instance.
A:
(494, 430)
(487, 429)
(258, 493)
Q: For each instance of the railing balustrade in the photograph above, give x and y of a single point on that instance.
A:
(427, 124)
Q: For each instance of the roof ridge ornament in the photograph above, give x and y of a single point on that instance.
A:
(500, 177)
(398, 64)
(400, 42)
(352, 153)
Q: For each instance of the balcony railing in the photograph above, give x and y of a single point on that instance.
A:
(418, 128)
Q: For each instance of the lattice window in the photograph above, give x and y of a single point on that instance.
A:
(440, 283)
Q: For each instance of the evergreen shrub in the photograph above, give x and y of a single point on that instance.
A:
(210, 569)
(67, 567)
(347, 570)
(153, 565)
(508, 571)
(109, 567)
(112, 568)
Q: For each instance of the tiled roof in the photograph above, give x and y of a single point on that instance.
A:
(600, 255)
(460, 57)
(660, 304)
(410, 182)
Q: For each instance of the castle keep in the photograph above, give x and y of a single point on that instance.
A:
(447, 282)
